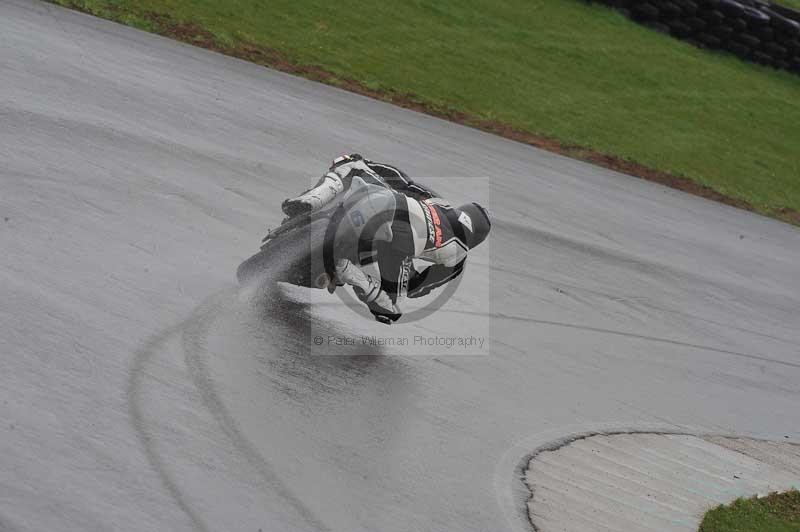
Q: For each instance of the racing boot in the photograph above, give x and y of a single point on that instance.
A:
(314, 198)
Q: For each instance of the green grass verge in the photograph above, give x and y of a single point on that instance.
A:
(568, 70)
(794, 4)
(774, 513)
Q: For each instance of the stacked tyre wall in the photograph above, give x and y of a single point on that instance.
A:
(753, 30)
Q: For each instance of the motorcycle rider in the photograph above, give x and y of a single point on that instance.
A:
(388, 220)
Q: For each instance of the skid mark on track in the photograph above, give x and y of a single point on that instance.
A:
(191, 335)
(194, 347)
(135, 380)
(643, 301)
(636, 336)
(570, 249)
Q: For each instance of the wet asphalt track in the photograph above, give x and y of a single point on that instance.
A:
(142, 390)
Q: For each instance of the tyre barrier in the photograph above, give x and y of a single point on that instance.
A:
(753, 30)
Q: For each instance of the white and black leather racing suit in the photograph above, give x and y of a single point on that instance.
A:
(388, 222)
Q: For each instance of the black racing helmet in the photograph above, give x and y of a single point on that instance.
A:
(477, 223)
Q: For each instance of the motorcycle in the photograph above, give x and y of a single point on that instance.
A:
(294, 252)
(301, 250)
